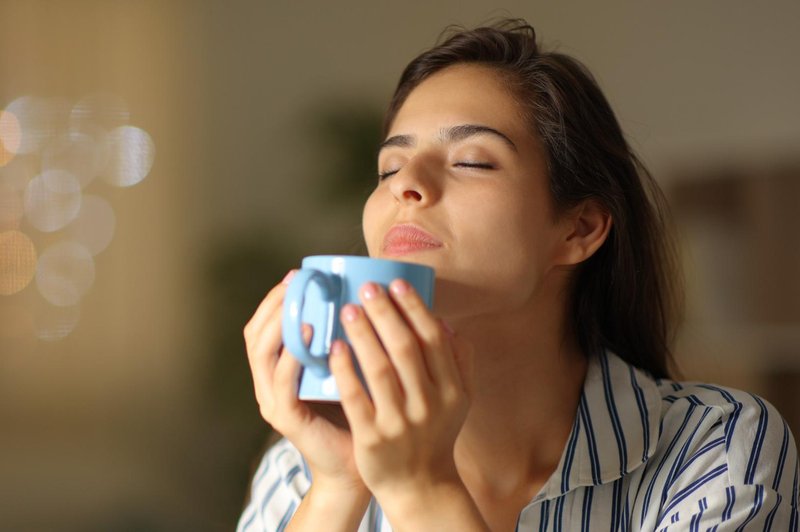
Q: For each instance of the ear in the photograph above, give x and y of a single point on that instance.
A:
(586, 227)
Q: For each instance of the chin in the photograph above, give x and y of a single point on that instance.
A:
(425, 257)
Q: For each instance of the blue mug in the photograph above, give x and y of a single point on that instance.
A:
(316, 295)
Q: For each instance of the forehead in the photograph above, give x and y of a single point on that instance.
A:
(460, 94)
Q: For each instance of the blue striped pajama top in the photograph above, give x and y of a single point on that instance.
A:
(643, 454)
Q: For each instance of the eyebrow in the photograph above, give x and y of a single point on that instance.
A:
(449, 134)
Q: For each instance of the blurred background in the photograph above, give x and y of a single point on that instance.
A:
(164, 163)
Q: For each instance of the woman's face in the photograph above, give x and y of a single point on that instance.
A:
(464, 167)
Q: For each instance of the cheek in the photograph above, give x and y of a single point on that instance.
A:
(489, 235)
(511, 239)
(370, 221)
(506, 224)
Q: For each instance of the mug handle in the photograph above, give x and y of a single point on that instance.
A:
(293, 312)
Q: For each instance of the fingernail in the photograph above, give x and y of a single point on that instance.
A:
(399, 287)
(289, 276)
(349, 313)
(371, 290)
(337, 347)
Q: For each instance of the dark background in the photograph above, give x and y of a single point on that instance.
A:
(264, 117)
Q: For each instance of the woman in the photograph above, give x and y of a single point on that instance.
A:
(536, 395)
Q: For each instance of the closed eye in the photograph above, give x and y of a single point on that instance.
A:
(485, 166)
(463, 164)
(384, 175)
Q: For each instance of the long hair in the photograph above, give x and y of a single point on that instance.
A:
(628, 296)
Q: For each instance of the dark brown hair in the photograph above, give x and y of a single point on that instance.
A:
(627, 297)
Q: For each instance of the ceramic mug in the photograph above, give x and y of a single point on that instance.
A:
(316, 295)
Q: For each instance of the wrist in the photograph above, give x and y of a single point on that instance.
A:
(440, 505)
(325, 491)
(330, 505)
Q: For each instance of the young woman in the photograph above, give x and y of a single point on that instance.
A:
(536, 394)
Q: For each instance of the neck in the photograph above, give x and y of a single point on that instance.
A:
(528, 379)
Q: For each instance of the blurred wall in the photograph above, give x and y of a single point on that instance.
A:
(124, 423)
(87, 420)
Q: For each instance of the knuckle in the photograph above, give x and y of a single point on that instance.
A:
(382, 373)
(450, 394)
(434, 337)
(253, 353)
(420, 414)
(378, 308)
(350, 395)
(371, 440)
(407, 345)
(248, 331)
(276, 291)
(413, 302)
(393, 428)
(266, 411)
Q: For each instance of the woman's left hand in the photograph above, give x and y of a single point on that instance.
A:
(419, 378)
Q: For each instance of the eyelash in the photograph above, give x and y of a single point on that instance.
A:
(483, 166)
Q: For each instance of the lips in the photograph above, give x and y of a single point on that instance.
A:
(408, 238)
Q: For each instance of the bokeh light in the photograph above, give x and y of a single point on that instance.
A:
(40, 119)
(52, 200)
(53, 323)
(11, 208)
(50, 151)
(65, 273)
(5, 155)
(132, 154)
(95, 224)
(17, 262)
(83, 154)
(9, 137)
(107, 111)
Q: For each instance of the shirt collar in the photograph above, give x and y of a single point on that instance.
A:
(615, 429)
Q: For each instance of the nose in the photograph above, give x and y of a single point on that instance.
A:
(415, 183)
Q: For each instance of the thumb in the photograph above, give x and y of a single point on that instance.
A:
(307, 332)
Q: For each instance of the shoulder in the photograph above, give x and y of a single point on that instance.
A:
(749, 432)
(723, 455)
(279, 483)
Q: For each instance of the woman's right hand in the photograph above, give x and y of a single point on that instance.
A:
(318, 430)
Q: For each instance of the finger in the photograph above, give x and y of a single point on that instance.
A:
(271, 303)
(286, 383)
(357, 406)
(434, 339)
(287, 376)
(399, 340)
(267, 345)
(262, 355)
(376, 367)
(273, 299)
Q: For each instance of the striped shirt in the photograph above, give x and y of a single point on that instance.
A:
(643, 454)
